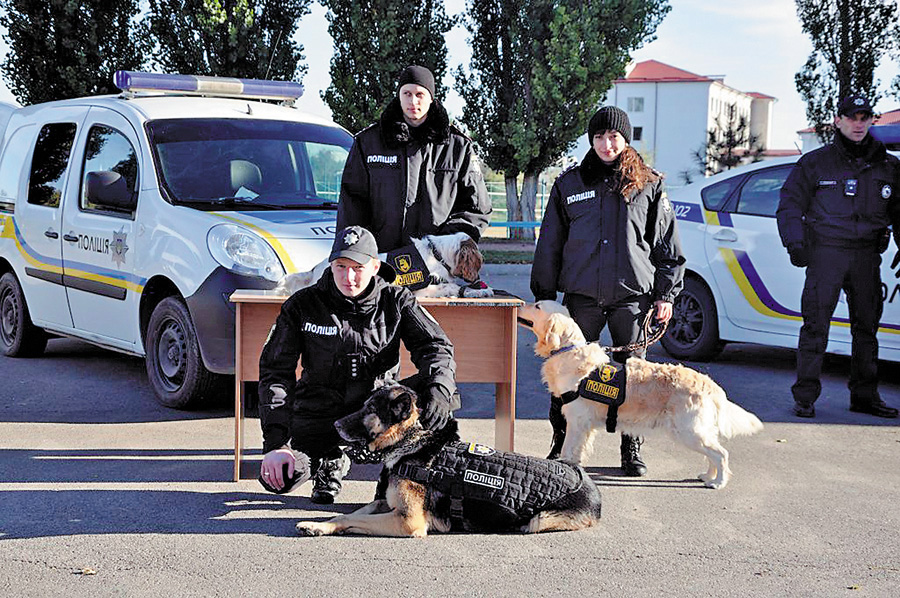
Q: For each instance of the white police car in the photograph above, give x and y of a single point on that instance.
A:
(128, 220)
(740, 285)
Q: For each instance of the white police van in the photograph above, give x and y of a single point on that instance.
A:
(740, 285)
(128, 220)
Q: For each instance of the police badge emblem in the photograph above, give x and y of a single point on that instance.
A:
(886, 192)
(403, 263)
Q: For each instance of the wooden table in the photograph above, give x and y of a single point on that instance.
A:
(483, 333)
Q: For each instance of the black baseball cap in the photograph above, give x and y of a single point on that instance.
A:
(854, 103)
(355, 243)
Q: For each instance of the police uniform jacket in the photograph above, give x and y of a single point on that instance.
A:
(347, 347)
(596, 244)
(833, 197)
(404, 182)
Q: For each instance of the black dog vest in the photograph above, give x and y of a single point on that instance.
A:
(411, 270)
(491, 489)
(604, 385)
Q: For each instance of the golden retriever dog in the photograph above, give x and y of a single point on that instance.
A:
(658, 396)
(446, 257)
(436, 483)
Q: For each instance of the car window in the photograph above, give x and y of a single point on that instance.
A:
(249, 164)
(108, 150)
(715, 196)
(48, 166)
(760, 193)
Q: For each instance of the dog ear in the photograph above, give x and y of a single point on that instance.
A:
(468, 260)
(401, 405)
(556, 329)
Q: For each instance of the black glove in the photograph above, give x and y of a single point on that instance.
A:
(799, 254)
(435, 405)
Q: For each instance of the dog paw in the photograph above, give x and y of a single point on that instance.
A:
(471, 293)
(307, 529)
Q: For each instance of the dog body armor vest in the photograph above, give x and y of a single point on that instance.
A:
(411, 270)
(604, 385)
(491, 489)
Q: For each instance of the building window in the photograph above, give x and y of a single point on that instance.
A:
(637, 133)
(635, 104)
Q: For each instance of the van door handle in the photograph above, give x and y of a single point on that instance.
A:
(50, 233)
(726, 235)
(71, 238)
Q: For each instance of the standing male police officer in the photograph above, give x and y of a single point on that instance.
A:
(833, 218)
(413, 173)
(346, 329)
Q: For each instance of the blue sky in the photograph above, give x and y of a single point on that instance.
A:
(756, 44)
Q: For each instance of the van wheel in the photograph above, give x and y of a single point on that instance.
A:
(174, 366)
(18, 336)
(693, 332)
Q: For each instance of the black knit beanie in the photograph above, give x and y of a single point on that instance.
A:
(610, 118)
(418, 75)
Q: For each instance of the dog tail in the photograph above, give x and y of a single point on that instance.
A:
(735, 421)
(291, 283)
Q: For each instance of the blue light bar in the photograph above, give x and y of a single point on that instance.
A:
(134, 82)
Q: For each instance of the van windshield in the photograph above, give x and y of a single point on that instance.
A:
(247, 164)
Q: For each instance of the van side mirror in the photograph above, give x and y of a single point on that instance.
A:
(109, 189)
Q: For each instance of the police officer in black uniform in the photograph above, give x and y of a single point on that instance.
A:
(413, 173)
(835, 209)
(609, 241)
(346, 331)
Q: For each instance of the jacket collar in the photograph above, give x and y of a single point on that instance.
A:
(593, 169)
(395, 132)
(364, 302)
(869, 149)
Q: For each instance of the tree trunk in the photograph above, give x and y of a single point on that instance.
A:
(527, 202)
(513, 207)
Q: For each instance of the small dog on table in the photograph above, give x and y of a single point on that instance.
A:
(433, 266)
(657, 396)
(435, 483)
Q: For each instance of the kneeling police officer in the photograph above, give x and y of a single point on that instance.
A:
(346, 331)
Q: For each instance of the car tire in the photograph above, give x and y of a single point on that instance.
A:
(693, 332)
(18, 336)
(174, 365)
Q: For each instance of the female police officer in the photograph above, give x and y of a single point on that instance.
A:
(609, 242)
(346, 330)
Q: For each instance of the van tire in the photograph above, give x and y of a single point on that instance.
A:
(693, 332)
(174, 365)
(18, 336)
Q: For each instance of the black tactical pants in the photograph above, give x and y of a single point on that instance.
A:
(624, 320)
(858, 273)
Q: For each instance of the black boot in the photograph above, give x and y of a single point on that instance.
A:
(631, 456)
(558, 423)
(327, 479)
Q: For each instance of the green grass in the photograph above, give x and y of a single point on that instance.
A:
(494, 256)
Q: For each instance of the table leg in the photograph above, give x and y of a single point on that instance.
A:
(505, 416)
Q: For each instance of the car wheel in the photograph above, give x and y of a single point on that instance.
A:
(174, 366)
(18, 336)
(693, 332)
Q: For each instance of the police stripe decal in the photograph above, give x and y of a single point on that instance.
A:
(75, 270)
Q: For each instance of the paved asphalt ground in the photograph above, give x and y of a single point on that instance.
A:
(103, 493)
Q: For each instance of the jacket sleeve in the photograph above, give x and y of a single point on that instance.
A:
(665, 248)
(354, 206)
(794, 203)
(548, 254)
(278, 377)
(894, 206)
(429, 348)
(471, 211)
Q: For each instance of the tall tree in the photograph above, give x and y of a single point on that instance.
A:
(229, 38)
(539, 69)
(728, 144)
(849, 39)
(374, 40)
(62, 49)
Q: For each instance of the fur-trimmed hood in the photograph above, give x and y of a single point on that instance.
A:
(395, 132)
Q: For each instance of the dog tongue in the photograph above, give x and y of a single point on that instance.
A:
(478, 284)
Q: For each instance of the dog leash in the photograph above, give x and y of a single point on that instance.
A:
(649, 336)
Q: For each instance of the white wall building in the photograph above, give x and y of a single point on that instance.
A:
(671, 111)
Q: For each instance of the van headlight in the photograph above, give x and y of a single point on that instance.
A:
(243, 251)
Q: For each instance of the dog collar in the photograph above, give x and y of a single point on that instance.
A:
(437, 255)
(564, 349)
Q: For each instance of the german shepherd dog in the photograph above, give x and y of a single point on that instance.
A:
(531, 495)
